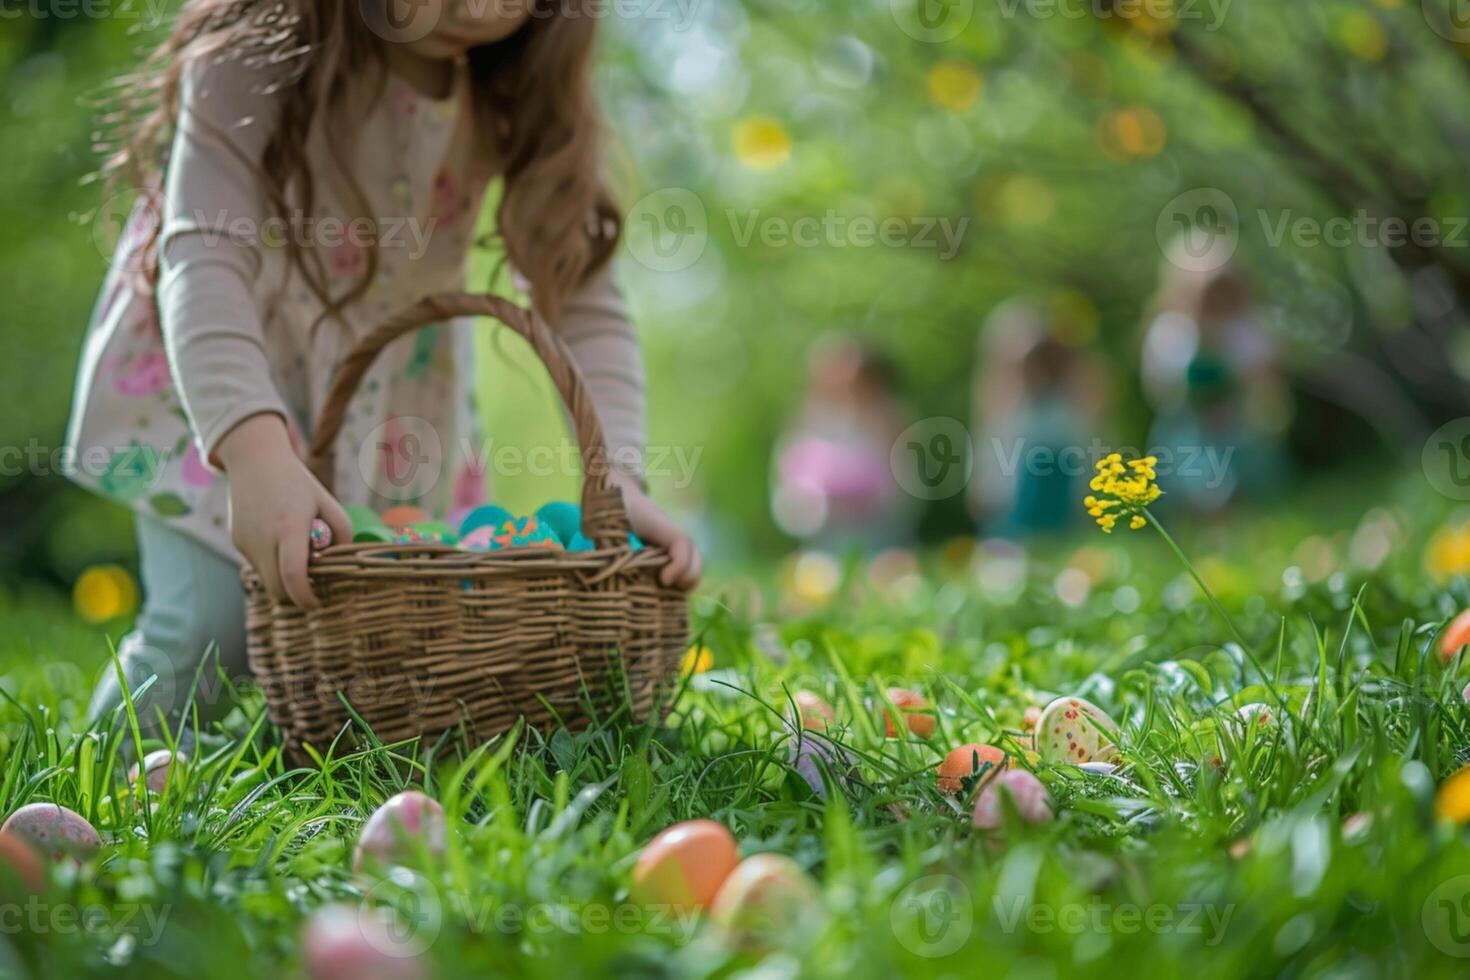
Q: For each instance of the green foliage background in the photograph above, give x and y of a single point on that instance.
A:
(1361, 103)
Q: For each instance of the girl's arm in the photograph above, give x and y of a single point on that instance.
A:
(594, 324)
(209, 259)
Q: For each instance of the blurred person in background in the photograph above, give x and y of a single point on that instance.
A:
(1037, 402)
(1212, 374)
(833, 485)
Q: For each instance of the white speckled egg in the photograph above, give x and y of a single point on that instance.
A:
(1075, 730)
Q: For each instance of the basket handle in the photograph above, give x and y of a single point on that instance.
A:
(604, 518)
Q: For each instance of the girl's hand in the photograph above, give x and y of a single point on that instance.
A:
(273, 498)
(654, 527)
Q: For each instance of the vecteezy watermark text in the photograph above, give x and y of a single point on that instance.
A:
(1126, 918)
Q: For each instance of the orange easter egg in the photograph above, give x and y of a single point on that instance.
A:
(916, 711)
(404, 515)
(965, 761)
(1456, 635)
(1030, 718)
(685, 865)
(815, 713)
(19, 861)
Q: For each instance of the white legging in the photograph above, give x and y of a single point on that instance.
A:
(193, 605)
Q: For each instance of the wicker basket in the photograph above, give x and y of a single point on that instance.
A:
(422, 638)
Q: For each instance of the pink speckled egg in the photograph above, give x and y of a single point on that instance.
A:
(400, 830)
(54, 830)
(1025, 791)
(157, 766)
(346, 943)
(1075, 730)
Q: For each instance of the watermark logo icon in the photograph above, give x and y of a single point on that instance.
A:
(1199, 230)
(1446, 459)
(402, 21)
(933, 916)
(401, 915)
(932, 459)
(1450, 19)
(1446, 917)
(402, 458)
(933, 21)
(668, 229)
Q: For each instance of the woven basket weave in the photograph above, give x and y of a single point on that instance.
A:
(422, 638)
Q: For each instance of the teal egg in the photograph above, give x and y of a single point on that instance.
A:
(564, 519)
(634, 541)
(580, 542)
(486, 515)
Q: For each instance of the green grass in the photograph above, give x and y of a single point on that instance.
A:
(1147, 876)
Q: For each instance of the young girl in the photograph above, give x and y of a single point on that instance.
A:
(305, 171)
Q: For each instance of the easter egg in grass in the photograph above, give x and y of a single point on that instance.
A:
(406, 827)
(20, 864)
(685, 865)
(969, 760)
(53, 830)
(1455, 636)
(915, 709)
(1255, 714)
(1022, 789)
(352, 942)
(768, 902)
(1075, 730)
(485, 515)
(156, 767)
(564, 519)
(404, 516)
(814, 758)
(813, 712)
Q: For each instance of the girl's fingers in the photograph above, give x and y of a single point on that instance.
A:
(292, 552)
(696, 567)
(270, 576)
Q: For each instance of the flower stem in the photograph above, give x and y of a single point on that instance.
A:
(1214, 603)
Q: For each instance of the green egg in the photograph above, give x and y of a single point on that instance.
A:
(361, 517)
(371, 532)
(435, 531)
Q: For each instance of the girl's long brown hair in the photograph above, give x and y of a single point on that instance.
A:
(536, 114)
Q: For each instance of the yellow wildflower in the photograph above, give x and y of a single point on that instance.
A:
(1452, 802)
(1126, 489)
(697, 660)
